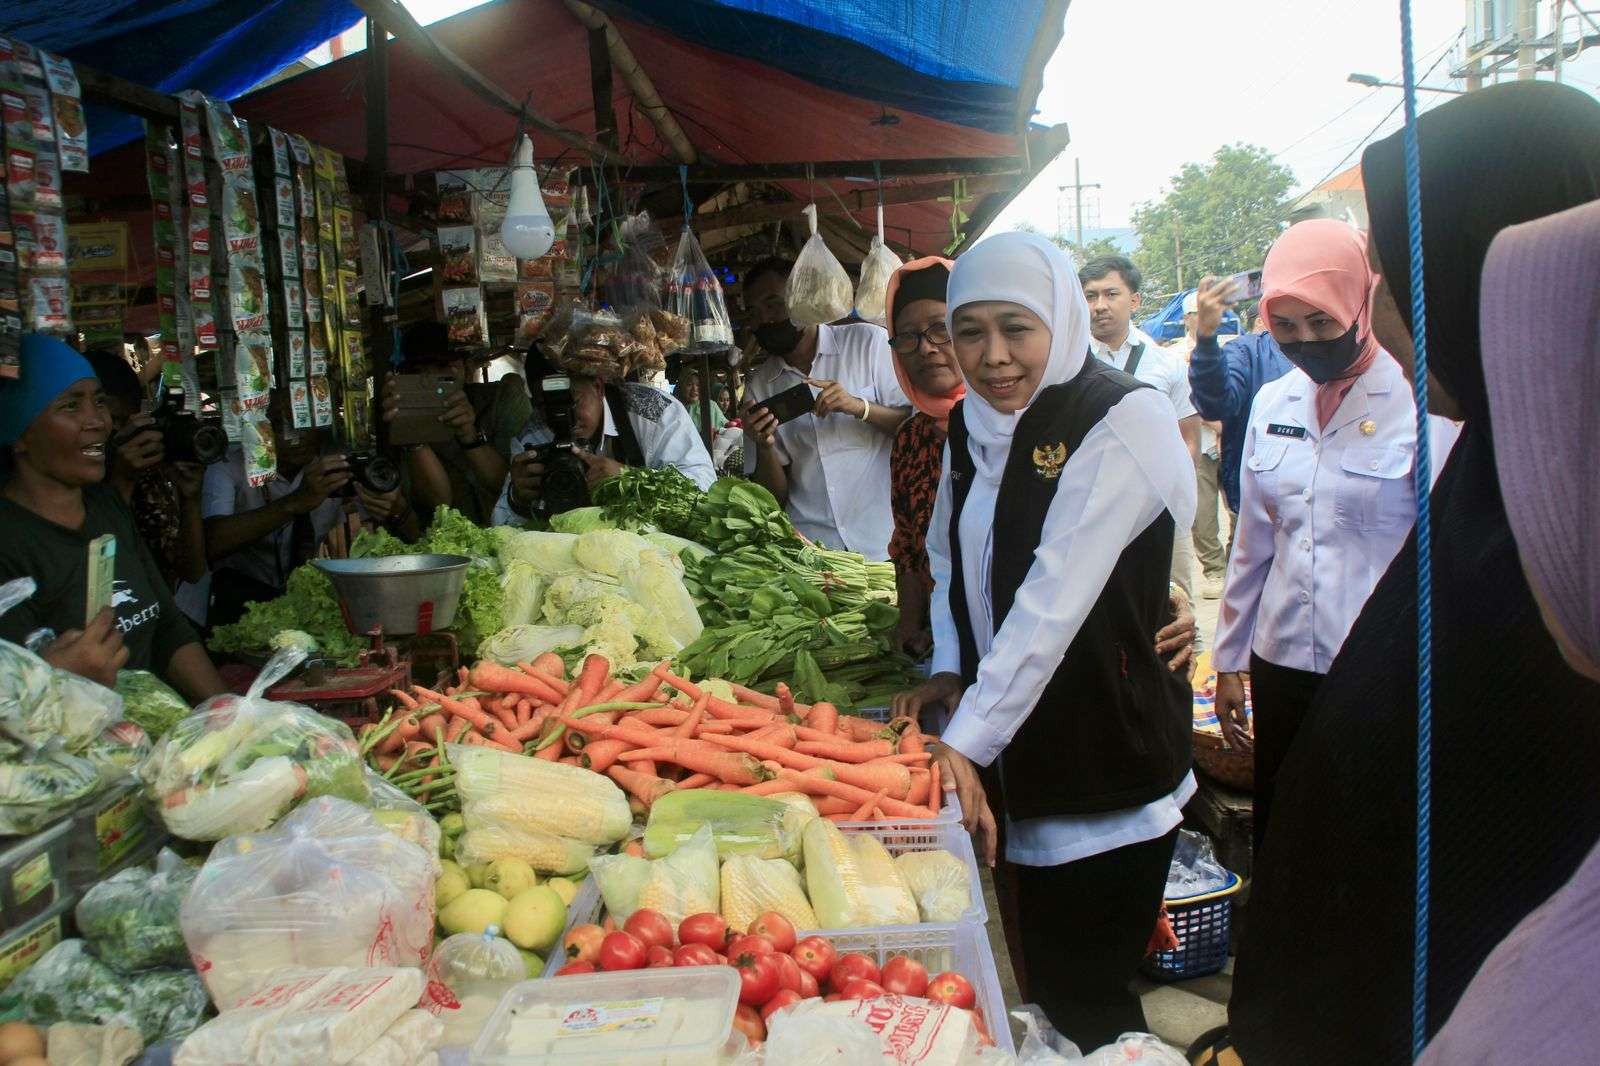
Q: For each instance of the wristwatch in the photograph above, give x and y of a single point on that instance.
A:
(480, 441)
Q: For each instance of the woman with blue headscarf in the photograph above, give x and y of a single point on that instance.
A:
(54, 428)
(1042, 626)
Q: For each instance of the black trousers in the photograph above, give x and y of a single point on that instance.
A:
(1279, 699)
(1085, 926)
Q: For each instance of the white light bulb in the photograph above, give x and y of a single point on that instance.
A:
(528, 232)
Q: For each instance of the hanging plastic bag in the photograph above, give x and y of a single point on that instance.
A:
(131, 920)
(636, 281)
(328, 886)
(819, 290)
(694, 293)
(477, 969)
(877, 268)
(239, 762)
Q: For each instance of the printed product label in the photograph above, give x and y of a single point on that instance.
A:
(609, 1016)
(31, 878)
(16, 957)
(119, 827)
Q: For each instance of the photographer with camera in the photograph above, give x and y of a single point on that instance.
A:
(587, 424)
(162, 489)
(255, 537)
(468, 471)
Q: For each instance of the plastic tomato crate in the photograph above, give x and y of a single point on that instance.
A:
(958, 946)
(585, 909)
(900, 837)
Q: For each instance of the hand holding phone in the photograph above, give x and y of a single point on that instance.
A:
(789, 404)
(1246, 286)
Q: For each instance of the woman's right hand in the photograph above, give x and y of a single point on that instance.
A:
(975, 814)
(1230, 712)
(96, 651)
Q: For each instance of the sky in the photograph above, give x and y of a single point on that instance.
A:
(1146, 86)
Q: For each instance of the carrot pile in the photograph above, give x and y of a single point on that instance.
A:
(656, 735)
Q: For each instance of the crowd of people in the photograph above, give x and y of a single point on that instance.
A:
(1046, 478)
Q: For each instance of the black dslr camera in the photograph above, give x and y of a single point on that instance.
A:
(185, 436)
(566, 477)
(376, 473)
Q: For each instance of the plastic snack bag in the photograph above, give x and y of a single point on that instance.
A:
(873, 290)
(131, 920)
(236, 1035)
(344, 1018)
(694, 292)
(328, 886)
(819, 290)
(239, 762)
(477, 968)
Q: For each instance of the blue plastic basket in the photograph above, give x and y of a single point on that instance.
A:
(1204, 925)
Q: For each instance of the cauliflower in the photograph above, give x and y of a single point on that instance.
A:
(293, 638)
(613, 552)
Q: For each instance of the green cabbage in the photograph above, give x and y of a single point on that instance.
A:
(524, 643)
(656, 585)
(548, 553)
(581, 520)
(524, 593)
(677, 547)
(612, 552)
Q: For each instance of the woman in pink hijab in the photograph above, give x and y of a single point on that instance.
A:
(1326, 496)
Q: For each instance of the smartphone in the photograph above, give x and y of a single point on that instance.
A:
(790, 404)
(102, 573)
(1246, 285)
(422, 399)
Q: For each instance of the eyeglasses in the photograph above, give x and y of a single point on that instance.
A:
(937, 335)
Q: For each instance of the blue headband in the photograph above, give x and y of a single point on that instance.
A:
(49, 368)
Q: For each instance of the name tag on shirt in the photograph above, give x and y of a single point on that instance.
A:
(1276, 430)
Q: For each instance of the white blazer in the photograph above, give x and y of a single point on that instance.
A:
(1322, 513)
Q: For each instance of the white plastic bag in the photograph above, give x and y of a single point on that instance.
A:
(1135, 1049)
(819, 290)
(903, 1029)
(328, 886)
(939, 881)
(40, 704)
(409, 1042)
(239, 762)
(684, 883)
(694, 293)
(877, 268)
(236, 1035)
(344, 1019)
(1195, 869)
(636, 281)
(1042, 1045)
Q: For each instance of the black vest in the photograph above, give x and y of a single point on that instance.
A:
(1112, 728)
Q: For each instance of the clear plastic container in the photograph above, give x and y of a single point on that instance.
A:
(671, 1017)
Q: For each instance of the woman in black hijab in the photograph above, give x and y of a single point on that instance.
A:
(1325, 957)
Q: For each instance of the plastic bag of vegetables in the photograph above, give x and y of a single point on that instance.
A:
(39, 703)
(403, 816)
(38, 785)
(328, 886)
(24, 677)
(150, 701)
(118, 751)
(238, 763)
(68, 984)
(684, 883)
(131, 920)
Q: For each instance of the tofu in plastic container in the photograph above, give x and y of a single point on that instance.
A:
(662, 1017)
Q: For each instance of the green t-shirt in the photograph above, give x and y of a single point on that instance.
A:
(57, 559)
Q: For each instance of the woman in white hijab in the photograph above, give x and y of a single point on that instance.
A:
(1051, 542)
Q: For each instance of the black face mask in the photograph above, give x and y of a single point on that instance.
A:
(779, 338)
(1324, 361)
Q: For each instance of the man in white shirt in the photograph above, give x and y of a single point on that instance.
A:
(829, 468)
(613, 423)
(1207, 470)
(1111, 284)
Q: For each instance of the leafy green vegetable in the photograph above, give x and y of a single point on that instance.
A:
(452, 533)
(581, 520)
(36, 789)
(131, 920)
(308, 604)
(482, 609)
(661, 498)
(525, 643)
(377, 543)
(150, 702)
(524, 591)
(68, 984)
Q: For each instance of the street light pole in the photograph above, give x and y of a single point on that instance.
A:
(1373, 82)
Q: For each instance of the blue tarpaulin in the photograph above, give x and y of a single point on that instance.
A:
(958, 61)
(223, 47)
(1167, 324)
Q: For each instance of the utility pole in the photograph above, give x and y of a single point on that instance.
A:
(1077, 188)
(1527, 39)
(1177, 252)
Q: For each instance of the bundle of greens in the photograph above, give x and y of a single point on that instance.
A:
(131, 920)
(150, 702)
(68, 984)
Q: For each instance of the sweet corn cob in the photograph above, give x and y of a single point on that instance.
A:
(752, 886)
(852, 880)
(535, 795)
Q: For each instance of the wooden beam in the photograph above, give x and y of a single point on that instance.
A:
(399, 21)
(1051, 144)
(853, 201)
(124, 95)
(644, 90)
(377, 106)
(605, 115)
(954, 166)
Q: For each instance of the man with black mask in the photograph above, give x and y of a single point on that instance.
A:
(829, 468)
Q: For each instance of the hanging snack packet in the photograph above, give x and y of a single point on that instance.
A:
(819, 290)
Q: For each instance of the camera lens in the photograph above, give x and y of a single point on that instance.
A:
(380, 475)
(210, 443)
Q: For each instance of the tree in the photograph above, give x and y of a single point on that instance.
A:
(1225, 214)
(1091, 249)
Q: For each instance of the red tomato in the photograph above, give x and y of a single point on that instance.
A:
(786, 997)
(816, 957)
(850, 967)
(622, 951)
(856, 988)
(706, 928)
(777, 928)
(575, 967)
(750, 944)
(905, 976)
(808, 985)
(758, 977)
(950, 987)
(650, 927)
(656, 955)
(832, 997)
(582, 943)
(695, 955)
(789, 972)
(748, 1022)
